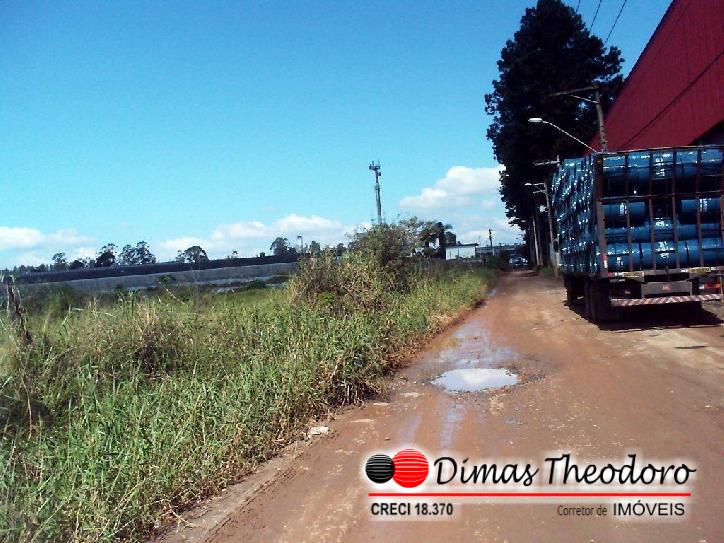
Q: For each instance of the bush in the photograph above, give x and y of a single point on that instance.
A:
(497, 262)
(153, 403)
(379, 266)
(54, 300)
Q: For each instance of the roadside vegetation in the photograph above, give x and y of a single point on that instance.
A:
(117, 415)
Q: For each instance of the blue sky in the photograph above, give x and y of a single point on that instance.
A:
(228, 123)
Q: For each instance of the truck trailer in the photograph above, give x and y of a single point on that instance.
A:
(640, 227)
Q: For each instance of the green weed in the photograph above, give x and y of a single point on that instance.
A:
(120, 414)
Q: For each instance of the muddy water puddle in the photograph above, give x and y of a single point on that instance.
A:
(475, 379)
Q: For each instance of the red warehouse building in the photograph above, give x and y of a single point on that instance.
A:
(674, 95)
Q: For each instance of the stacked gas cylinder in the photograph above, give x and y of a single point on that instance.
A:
(649, 199)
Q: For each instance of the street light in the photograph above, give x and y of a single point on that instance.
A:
(599, 109)
(551, 252)
(538, 120)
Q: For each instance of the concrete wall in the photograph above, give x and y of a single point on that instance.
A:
(218, 276)
(459, 251)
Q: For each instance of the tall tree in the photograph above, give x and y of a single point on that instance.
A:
(140, 254)
(193, 255)
(450, 238)
(106, 256)
(315, 248)
(552, 51)
(59, 262)
(280, 246)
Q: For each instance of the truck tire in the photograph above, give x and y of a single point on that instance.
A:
(595, 301)
(587, 311)
(570, 292)
(603, 309)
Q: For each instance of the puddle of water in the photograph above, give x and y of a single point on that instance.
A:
(475, 379)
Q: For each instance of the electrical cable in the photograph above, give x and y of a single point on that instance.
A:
(614, 23)
(595, 15)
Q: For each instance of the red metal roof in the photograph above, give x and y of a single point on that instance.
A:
(674, 93)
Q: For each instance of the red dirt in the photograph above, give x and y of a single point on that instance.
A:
(652, 386)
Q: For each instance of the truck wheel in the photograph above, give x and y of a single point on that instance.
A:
(570, 294)
(595, 301)
(603, 304)
(587, 299)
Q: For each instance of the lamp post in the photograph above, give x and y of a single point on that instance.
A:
(551, 252)
(538, 120)
(596, 102)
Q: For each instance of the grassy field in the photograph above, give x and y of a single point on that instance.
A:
(119, 414)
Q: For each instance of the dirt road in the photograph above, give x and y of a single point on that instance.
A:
(653, 386)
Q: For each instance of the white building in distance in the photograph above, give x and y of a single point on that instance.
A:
(460, 250)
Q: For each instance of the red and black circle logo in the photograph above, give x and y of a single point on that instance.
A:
(408, 468)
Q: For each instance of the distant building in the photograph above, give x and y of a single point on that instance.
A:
(496, 250)
(460, 250)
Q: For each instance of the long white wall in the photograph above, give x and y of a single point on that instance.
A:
(217, 276)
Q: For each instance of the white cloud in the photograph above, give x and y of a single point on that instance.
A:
(241, 230)
(503, 232)
(66, 238)
(459, 188)
(313, 224)
(21, 237)
(81, 252)
(179, 244)
(246, 236)
(30, 258)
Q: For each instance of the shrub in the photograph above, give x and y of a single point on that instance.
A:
(153, 403)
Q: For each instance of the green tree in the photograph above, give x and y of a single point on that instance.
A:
(193, 255)
(422, 234)
(59, 262)
(280, 247)
(106, 256)
(552, 51)
(315, 248)
(140, 254)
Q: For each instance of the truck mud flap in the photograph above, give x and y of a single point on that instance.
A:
(626, 302)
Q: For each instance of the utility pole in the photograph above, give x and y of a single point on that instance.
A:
(535, 240)
(377, 169)
(599, 109)
(551, 252)
(490, 238)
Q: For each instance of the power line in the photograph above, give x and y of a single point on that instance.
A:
(614, 23)
(578, 5)
(595, 15)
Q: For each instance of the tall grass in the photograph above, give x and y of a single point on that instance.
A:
(117, 416)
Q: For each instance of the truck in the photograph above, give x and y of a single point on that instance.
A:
(640, 227)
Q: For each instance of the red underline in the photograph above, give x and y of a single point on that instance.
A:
(529, 494)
